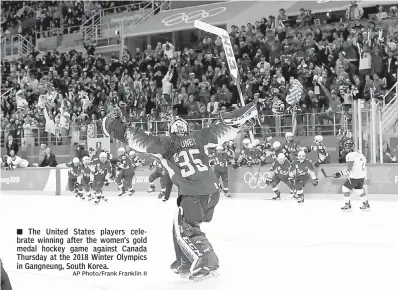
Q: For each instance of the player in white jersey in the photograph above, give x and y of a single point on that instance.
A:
(356, 172)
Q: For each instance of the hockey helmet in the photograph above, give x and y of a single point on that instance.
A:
(121, 151)
(256, 142)
(75, 161)
(301, 156)
(132, 153)
(289, 136)
(219, 148)
(178, 126)
(276, 145)
(281, 158)
(246, 142)
(250, 146)
(318, 139)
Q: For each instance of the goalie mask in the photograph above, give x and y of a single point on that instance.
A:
(178, 127)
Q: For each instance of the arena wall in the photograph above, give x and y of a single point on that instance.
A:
(381, 179)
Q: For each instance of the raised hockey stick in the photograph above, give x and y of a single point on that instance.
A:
(324, 173)
(229, 53)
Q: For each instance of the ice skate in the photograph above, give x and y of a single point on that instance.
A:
(346, 207)
(277, 196)
(81, 195)
(89, 197)
(160, 196)
(122, 192)
(131, 191)
(164, 199)
(151, 189)
(300, 198)
(203, 274)
(175, 265)
(97, 200)
(226, 193)
(183, 270)
(365, 206)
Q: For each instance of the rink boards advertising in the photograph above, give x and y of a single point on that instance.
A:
(381, 178)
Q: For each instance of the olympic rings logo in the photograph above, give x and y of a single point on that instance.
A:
(256, 180)
(192, 16)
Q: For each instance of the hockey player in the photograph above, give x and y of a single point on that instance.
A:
(301, 171)
(279, 172)
(86, 178)
(125, 170)
(323, 155)
(291, 146)
(73, 175)
(166, 184)
(220, 163)
(276, 149)
(102, 171)
(183, 156)
(356, 172)
(245, 153)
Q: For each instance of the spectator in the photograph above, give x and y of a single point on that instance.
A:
(12, 145)
(42, 153)
(49, 159)
(388, 156)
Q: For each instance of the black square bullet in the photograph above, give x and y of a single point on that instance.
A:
(19, 231)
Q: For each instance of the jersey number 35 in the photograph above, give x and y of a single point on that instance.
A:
(189, 162)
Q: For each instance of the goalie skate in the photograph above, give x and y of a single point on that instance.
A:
(204, 276)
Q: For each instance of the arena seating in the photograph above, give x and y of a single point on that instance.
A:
(335, 63)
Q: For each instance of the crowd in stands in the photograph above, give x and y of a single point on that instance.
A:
(65, 95)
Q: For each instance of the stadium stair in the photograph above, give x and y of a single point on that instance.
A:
(16, 46)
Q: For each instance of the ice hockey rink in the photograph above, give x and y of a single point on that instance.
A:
(261, 244)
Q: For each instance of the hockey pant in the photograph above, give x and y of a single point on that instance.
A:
(85, 184)
(190, 243)
(154, 175)
(98, 184)
(124, 181)
(224, 178)
(277, 179)
(300, 182)
(166, 185)
(72, 183)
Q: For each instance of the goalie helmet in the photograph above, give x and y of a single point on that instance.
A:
(178, 127)
(103, 156)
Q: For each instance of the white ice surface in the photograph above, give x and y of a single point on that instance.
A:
(261, 244)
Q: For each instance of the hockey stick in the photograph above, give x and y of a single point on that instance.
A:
(324, 173)
(229, 53)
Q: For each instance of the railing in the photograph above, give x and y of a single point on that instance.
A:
(389, 111)
(308, 124)
(57, 31)
(89, 28)
(16, 46)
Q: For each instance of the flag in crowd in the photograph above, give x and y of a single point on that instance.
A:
(295, 91)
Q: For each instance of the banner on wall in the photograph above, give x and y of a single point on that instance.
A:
(99, 143)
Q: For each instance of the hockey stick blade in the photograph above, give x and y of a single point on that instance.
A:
(324, 173)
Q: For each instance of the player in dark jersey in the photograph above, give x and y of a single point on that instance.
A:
(73, 176)
(125, 171)
(166, 184)
(86, 178)
(323, 155)
(300, 172)
(279, 172)
(220, 162)
(102, 171)
(183, 156)
(291, 146)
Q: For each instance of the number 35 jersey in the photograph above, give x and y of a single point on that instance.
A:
(185, 158)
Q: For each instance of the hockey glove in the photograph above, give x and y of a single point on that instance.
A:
(91, 184)
(151, 166)
(268, 181)
(315, 182)
(316, 164)
(240, 116)
(337, 175)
